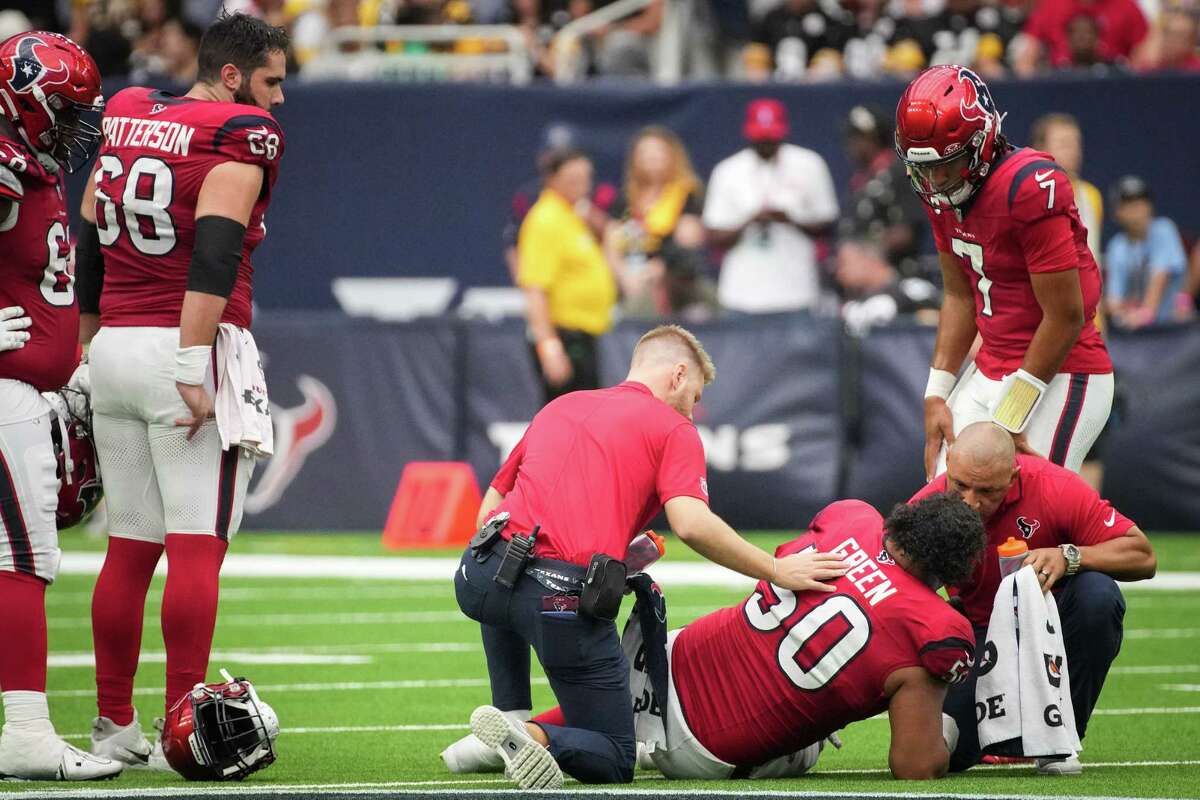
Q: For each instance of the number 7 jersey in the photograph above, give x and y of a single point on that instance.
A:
(781, 671)
(157, 151)
(1022, 220)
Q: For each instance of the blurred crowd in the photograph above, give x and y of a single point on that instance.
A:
(770, 232)
(756, 40)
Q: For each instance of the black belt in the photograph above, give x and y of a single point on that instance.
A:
(558, 576)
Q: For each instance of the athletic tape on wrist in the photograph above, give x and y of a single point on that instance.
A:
(1020, 394)
(941, 383)
(192, 363)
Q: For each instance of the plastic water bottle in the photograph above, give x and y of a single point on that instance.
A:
(1012, 554)
(644, 550)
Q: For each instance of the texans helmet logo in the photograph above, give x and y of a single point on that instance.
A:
(1028, 527)
(977, 101)
(29, 70)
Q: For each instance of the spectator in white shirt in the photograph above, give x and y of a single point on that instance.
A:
(764, 205)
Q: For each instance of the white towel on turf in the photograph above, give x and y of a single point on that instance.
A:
(1025, 690)
(242, 408)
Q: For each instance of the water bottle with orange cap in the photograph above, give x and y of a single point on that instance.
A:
(1012, 554)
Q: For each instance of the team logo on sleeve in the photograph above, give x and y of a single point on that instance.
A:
(704, 486)
(977, 101)
(29, 69)
(1028, 527)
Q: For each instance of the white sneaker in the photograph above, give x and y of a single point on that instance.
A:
(124, 743)
(469, 754)
(1059, 766)
(45, 757)
(526, 761)
(644, 758)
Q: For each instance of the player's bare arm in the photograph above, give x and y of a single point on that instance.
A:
(918, 751)
(1061, 300)
(706, 533)
(955, 333)
(1126, 558)
(223, 209)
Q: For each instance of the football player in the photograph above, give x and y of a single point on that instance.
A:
(1017, 269)
(173, 210)
(755, 688)
(48, 85)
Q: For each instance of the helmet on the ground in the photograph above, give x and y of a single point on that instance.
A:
(220, 732)
(79, 485)
(50, 92)
(947, 122)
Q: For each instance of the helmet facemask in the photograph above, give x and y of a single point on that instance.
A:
(234, 732)
(75, 135)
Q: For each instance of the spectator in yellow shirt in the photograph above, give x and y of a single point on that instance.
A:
(568, 285)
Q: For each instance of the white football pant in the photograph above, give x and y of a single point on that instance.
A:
(155, 481)
(1066, 424)
(28, 483)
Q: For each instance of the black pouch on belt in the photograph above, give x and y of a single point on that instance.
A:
(603, 587)
(486, 537)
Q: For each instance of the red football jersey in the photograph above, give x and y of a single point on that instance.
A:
(765, 678)
(34, 251)
(1047, 505)
(1022, 220)
(157, 150)
(595, 467)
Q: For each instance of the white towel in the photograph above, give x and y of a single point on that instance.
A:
(648, 724)
(1024, 690)
(243, 411)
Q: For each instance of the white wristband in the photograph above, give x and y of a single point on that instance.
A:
(1020, 394)
(941, 383)
(192, 364)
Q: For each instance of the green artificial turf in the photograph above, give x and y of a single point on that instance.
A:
(412, 660)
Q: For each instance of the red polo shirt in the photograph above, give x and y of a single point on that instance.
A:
(1047, 506)
(595, 467)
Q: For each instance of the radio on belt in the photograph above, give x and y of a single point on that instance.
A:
(515, 558)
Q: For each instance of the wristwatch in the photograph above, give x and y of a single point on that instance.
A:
(1072, 555)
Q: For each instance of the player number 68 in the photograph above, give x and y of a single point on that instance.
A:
(263, 144)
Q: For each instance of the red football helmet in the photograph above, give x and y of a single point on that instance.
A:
(79, 487)
(47, 85)
(948, 134)
(220, 732)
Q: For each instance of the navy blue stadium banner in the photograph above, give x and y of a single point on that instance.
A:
(1152, 452)
(799, 415)
(353, 402)
(501, 391)
(885, 460)
(771, 422)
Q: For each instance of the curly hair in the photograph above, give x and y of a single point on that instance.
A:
(941, 534)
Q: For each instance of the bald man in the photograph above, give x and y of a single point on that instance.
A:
(1079, 546)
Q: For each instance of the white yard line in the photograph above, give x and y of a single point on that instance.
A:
(430, 786)
(88, 660)
(434, 569)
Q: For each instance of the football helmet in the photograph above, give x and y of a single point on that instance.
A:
(50, 92)
(948, 134)
(79, 486)
(220, 732)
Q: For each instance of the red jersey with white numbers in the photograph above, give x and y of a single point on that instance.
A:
(1046, 506)
(783, 670)
(34, 251)
(158, 148)
(1022, 220)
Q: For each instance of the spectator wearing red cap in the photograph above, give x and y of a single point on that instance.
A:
(765, 204)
